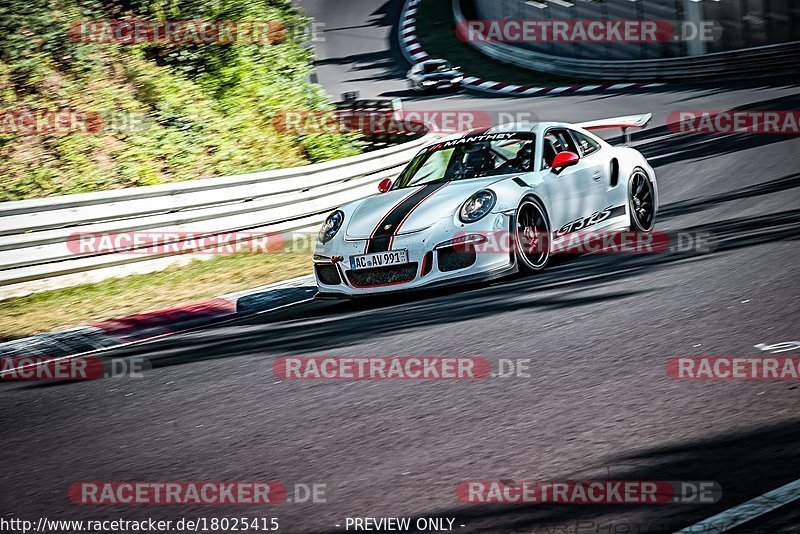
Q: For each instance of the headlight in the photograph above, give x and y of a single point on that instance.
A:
(429, 82)
(331, 226)
(477, 206)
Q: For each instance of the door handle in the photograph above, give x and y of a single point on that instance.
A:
(597, 175)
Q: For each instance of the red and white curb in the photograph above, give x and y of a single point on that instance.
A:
(114, 333)
(414, 53)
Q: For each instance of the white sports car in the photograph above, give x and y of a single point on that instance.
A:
(539, 183)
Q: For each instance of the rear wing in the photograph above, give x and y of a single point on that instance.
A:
(638, 122)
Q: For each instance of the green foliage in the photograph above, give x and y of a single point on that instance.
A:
(200, 110)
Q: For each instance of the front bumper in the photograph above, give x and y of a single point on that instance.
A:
(323, 294)
(429, 264)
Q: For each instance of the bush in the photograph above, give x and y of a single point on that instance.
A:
(202, 109)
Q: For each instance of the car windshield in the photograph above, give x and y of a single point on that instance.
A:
(470, 157)
(437, 67)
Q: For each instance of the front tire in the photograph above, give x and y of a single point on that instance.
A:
(532, 236)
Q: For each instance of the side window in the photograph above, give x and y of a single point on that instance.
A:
(556, 141)
(586, 143)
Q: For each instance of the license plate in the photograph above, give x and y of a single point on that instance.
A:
(379, 259)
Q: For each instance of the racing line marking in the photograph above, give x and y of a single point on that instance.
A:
(747, 511)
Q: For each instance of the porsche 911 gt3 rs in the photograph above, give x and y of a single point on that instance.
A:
(539, 183)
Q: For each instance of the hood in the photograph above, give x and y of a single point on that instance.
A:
(421, 215)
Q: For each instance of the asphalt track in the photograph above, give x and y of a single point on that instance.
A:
(598, 331)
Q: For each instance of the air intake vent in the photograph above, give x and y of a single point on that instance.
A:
(383, 276)
(427, 264)
(328, 274)
(614, 172)
(453, 259)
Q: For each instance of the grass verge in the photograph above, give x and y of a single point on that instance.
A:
(122, 297)
(436, 31)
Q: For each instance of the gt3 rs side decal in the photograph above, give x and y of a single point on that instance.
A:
(595, 218)
(381, 238)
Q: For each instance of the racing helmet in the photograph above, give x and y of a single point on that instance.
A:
(477, 159)
(525, 156)
(549, 153)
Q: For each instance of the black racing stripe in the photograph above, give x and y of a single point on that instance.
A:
(382, 235)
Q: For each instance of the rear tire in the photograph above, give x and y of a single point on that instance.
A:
(641, 201)
(531, 236)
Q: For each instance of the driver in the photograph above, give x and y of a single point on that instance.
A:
(478, 160)
(524, 158)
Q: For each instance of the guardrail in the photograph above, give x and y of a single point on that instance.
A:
(757, 61)
(35, 234)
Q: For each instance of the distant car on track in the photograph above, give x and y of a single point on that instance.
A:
(434, 74)
(538, 183)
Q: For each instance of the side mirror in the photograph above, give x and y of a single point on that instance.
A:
(385, 185)
(565, 159)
